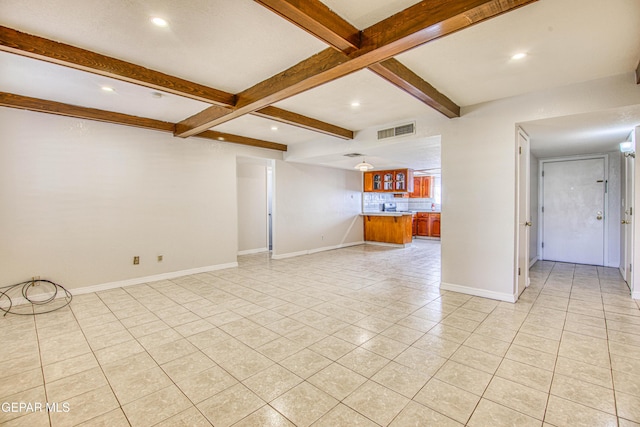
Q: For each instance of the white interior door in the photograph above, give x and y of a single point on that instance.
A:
(573, 211)
(627, 217)
(524, 213)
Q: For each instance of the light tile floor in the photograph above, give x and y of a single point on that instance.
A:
(353, 337)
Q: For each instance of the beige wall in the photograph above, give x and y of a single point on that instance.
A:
(315, 208)
(79, 199)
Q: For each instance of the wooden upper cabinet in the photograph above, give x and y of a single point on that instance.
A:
(391, 181)
(377, 181)
(403, 180)
(388, 181)
(426, 187)
(368, 181)
(422, 187)
(417, 187)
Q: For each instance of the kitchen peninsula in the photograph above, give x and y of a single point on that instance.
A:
(388, 227)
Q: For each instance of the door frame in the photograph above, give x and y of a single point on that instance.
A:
(626, 258)
(605, 210)
(520, 233)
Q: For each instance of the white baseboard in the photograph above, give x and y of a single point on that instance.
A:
(478, 292)
(313, 251)
(533, 261)
(154, 278)
(124, 283)
(253, 251)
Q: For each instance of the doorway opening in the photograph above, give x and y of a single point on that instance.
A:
(255, 204)
(570, 139)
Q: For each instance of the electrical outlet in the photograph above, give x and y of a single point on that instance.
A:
(136, 260)
(159, 258)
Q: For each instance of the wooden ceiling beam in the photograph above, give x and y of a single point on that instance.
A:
(317, 19)
(243, 140)
(284, 116)
(416, 25)
(35, 47)
(80, 59)
(395, 72)
(638, 74)
(51, 107)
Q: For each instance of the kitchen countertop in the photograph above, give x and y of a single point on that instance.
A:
(397, 213)
(385, 213)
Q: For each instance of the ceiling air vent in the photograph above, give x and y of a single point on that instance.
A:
(407, 129)
(354, 155)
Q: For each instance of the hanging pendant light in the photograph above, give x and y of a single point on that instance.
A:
(363, 166)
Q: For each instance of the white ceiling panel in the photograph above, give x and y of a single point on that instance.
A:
(260, 128)
(414, 153)
(38, 79)
(380, 102)
(364, 13)
(582, 133)
(567, 41)
(226, 44)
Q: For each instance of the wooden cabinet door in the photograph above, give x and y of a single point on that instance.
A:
(434, 225)
(426, 187)
(417, 187)
(400, 180)
(388, 181)
(422, 227)
(414, 226)
(368, 181)
(377, 181)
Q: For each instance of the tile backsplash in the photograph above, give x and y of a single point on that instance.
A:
(372, 202)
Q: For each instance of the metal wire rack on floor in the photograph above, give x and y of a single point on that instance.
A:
(39, 293)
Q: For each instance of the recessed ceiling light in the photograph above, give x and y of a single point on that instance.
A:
(519, 55)
(108, 89)
(159, 21)
(220, 138)
(274, 127)
(156, 95)
(355, 104)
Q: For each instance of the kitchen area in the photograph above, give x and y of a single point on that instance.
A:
(401, 205)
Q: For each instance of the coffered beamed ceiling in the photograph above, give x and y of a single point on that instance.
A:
(61, 109)
(317, 19)
(412, 27)
(35, 47)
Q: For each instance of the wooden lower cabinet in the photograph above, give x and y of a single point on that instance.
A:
(422, 228)
(434, 225)
(427, 224)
